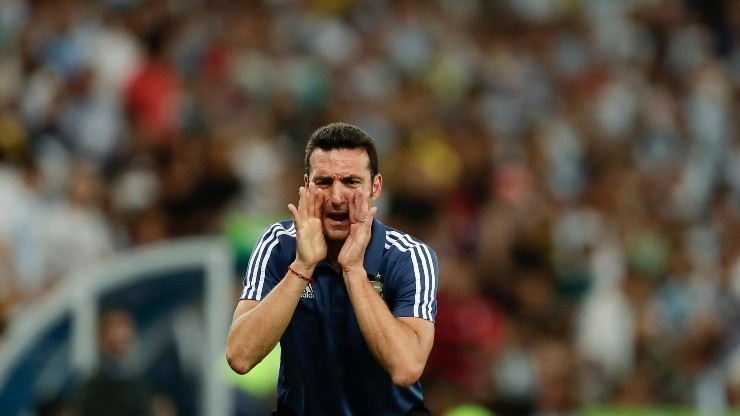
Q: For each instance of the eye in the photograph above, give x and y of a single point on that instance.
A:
(352, 182)
(322, 183)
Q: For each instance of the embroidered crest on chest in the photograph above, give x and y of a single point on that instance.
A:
(377, 284)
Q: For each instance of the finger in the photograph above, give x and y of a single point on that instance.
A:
(294, 211)
(351, 207)
(363, 203)
(368, 213)
(318, 205)
(302, 201)
(360, 205)
(371, 214)
(311, 199)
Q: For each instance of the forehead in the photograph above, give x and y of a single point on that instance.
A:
(339, 162)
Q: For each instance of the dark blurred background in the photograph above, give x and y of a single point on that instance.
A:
(574, 163)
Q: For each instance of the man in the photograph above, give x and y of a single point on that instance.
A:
(351, 300)
(116, 388)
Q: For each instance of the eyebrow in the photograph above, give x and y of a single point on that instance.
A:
(317, 178)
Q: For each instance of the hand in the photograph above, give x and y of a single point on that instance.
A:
(352, 254)
(310, 242)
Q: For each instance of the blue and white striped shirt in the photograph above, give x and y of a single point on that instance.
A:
(326, 367)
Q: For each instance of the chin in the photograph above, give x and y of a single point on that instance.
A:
(336, 234)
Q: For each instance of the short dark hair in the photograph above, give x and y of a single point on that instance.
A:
(342, 136)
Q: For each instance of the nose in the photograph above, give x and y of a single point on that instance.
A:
(336, 194)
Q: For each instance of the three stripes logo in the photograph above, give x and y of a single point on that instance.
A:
(308, 292)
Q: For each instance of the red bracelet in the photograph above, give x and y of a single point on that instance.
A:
(309, 279)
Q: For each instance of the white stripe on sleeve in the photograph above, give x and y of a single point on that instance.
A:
(257, 266)
(429, 302)
(422, 304)
(251, 277)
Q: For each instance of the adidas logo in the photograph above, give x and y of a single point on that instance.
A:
(308, 292)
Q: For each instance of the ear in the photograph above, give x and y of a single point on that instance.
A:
(305, 180)
(377, 186)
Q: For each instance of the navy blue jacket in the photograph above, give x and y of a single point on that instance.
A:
(326, 367)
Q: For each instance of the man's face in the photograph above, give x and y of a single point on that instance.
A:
(339, 172)
(117, 333)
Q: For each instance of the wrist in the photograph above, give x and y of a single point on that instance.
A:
(348, 271)
(302, 268)
(301, 272)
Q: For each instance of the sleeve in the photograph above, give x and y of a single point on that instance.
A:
(264, 270)
(416, 276)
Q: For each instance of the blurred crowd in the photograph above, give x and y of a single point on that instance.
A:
(575, 164)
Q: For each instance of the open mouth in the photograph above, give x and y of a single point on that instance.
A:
(338, 216)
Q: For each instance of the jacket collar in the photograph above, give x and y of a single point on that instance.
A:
(375, 248)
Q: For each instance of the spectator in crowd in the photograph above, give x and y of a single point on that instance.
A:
(118, 387)
(78, 233)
